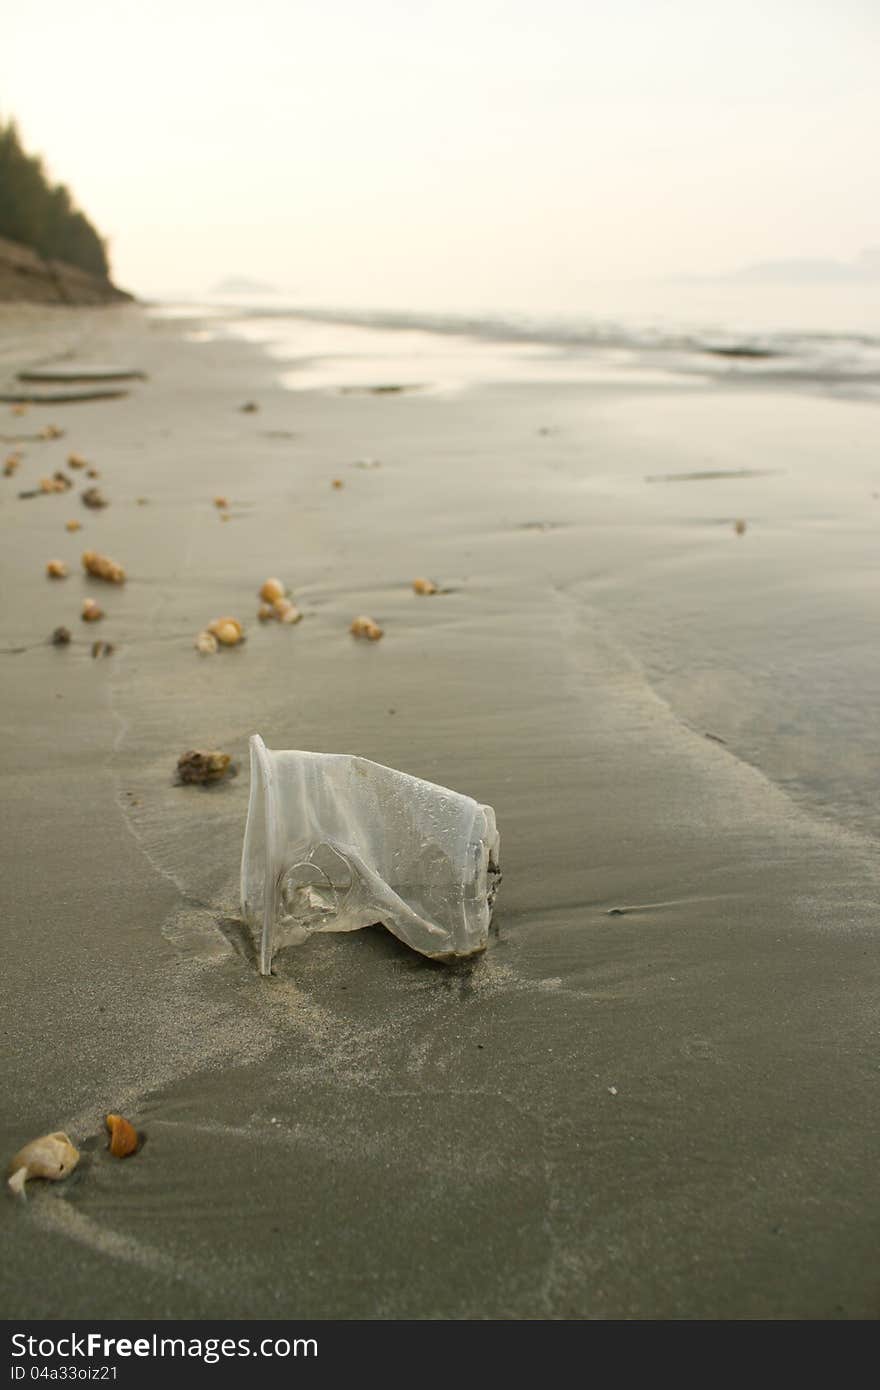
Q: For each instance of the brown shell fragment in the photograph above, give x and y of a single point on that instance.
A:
(199, 766)
(92, 473)
(425, 586)
(366, 627)
(73, 525)
(93, 497)
(739, 527)
(56, 569)
(228, 631)
(272, 589)
(102, 567)
(221, 502)
(123, 1136)
(91, 611)
(76, 461)
(337, 483)
(11, 464)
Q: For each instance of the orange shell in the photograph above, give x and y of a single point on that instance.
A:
(123, 1136)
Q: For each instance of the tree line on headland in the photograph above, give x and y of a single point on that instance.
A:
(43, 215)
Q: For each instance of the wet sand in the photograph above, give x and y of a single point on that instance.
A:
(655, 1095)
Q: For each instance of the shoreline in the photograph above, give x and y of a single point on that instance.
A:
(652, 1096)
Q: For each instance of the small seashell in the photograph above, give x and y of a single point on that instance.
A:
(102, 567)
(123, 1136)
(337, 483)
(93, 497)
(52, 1156)
(91, 611)
(60, 637)
(102, 649)
(206, 643)
(56, 569)
(271, 590)
(366, 627)
(425, 586)
(51, 432)
(221, 502)
(76, 461)
(73, 525)
(739, 527)
(228, 631)
(265, 612)
(286, 612)
(198, 766)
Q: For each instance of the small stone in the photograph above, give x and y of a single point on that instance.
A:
(739, 527)
(286, 612)
(60, 637)
(199, 766)
(91, 611)
(93, 497)
(221, 502)
(56, 569)
(76, 461)
(73, 525)
(337, 483)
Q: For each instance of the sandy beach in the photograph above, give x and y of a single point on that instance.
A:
(655, 1095)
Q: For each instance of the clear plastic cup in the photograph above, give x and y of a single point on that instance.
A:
(334, 842)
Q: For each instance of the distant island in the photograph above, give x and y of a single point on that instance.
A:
(864, 269)
(49, 250)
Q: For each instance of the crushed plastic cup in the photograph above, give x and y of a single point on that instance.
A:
(334, 842)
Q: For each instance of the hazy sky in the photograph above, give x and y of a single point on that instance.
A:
(453, 152)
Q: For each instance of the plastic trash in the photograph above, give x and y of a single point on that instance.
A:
(335, 842)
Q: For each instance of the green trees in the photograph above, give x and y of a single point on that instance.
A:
(41, 215)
